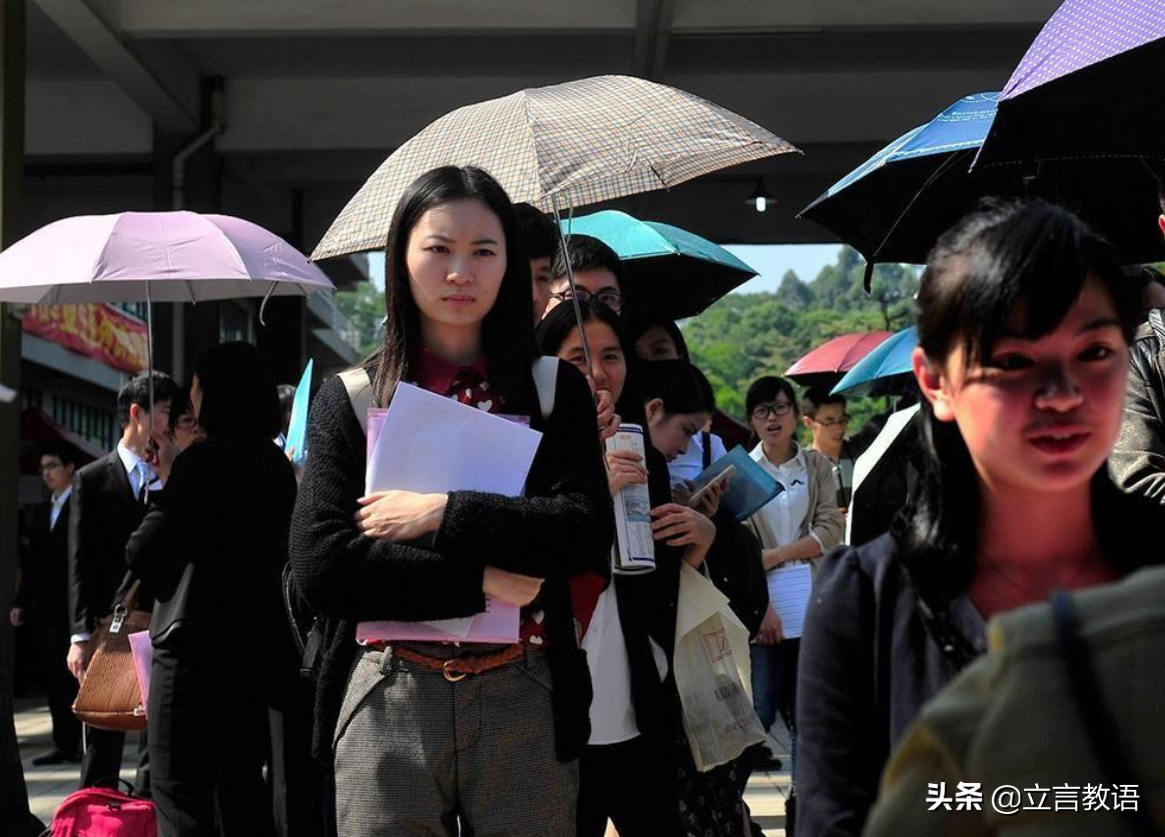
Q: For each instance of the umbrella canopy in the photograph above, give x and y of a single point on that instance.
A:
(875, 373)
(826, 363)
(894, 206)
(669, 269)
(566, 145)
(154, 256)
(1089, 86)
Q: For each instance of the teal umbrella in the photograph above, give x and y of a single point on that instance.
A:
(669, 270)
(885, 370)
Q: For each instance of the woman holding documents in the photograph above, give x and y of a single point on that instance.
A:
(211, 549)
(452, 737)
(630, 767)
(794, 528)
(1024, 322)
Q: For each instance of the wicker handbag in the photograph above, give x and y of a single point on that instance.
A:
(110, 697)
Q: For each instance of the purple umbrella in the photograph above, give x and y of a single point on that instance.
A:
(154, 257)
(1088, 87)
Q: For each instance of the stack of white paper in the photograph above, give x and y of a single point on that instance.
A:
(431, 444)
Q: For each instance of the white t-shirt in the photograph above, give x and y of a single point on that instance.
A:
(612, 713)
(786, 512)
(689, 465)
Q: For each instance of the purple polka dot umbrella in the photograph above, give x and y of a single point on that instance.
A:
(1089, 87)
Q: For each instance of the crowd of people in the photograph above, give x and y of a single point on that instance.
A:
(1003, 496)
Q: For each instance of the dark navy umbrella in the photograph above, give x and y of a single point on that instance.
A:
(1089, 86)
(894, 206)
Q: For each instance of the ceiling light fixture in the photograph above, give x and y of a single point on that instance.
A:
(760, 199)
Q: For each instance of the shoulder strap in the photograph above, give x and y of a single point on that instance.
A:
(706, 440)
(359, 387)
(1095, 714)
(546, 382)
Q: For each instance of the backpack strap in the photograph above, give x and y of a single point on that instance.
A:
(546, 382)
(359, 387)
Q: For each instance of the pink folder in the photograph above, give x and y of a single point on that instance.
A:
(142, 650)
(498, 623)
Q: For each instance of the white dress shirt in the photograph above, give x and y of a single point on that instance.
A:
(58, 504)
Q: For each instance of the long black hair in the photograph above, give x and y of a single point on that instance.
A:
(1030, 258)
(507, 331)
(558, 325)
(638, 322)
(238, 393)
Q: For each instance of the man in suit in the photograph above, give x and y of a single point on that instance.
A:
(44, 593)
(108, 502)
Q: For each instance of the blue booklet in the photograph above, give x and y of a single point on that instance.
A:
(749, 488)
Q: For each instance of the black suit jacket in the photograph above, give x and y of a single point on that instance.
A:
(103, 514)
(44, 584)
(213, 545)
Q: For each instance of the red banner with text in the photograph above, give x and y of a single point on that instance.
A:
(100, 331)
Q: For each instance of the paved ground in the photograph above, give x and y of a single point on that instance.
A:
(47, 786)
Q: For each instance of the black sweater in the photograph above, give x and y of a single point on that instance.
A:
(563, 526)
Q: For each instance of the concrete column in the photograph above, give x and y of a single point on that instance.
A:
(14, 816)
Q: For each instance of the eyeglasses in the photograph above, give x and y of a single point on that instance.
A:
(610, 297)
(49, 466)
(777, 408)
(186, 422)
(842, 421)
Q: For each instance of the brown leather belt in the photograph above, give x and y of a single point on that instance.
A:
(458, 668)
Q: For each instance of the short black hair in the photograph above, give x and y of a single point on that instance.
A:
(538, 230)
(238, 393)
(137, 391)
(817, 397)
(179, 406)
(674, 382)
(60, 449)
(588, 253)
(767, 389)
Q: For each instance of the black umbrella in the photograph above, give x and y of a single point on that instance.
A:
(894, 206)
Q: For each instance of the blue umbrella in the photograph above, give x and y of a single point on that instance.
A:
(881, 371)
(669, 270)
(894, 206)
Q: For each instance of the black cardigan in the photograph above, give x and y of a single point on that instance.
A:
(224, 514)
(563, 526)
(868, 664)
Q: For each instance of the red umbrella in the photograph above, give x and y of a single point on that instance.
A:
(829, 361)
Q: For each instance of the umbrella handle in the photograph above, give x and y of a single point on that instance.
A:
(582, 335)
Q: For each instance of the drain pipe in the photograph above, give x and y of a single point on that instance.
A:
(178, 170)
(178, 201)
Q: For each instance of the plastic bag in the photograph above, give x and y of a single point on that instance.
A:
(713, 674)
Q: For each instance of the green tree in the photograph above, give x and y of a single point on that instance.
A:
(745, 336)
(364, 308)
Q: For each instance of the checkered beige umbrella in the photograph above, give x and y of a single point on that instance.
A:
(566, 145)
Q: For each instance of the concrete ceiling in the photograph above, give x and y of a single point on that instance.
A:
(317, 94)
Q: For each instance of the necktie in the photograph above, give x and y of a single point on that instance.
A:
(143, 481)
